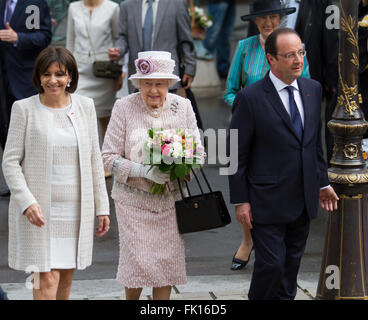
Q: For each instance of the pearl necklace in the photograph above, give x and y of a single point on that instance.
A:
(154, 112)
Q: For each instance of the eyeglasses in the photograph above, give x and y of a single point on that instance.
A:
(292, 55)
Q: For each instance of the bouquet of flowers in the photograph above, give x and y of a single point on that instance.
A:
(201, 20)
(173, 151)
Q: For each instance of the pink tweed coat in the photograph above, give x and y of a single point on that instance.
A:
(151, 249)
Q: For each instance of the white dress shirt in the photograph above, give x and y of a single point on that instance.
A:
(154, 9)
(284, 94)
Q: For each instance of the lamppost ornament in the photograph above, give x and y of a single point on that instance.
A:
(348, 124)
(346, 242)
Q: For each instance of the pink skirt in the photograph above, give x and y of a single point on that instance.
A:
(151, 248)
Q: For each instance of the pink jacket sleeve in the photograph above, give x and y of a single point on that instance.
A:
(113, 149)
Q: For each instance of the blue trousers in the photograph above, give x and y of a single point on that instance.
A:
(217, 36)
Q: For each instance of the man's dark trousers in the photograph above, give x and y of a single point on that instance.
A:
(279, 249)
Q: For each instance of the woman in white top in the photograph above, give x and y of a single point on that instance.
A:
(91, 30)
(53, 167)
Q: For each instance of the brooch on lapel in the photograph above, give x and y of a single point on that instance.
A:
(174, 106)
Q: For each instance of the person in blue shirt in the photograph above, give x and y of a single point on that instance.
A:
(249, 63)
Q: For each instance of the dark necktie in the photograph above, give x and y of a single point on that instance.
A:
(147, 27)
(8, 11)
(294, 113)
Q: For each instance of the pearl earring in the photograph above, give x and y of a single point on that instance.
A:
(68, 85)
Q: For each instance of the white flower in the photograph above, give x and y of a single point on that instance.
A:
(149, 143)
(176, 138)
(200, 11)
(177, 149)
(167, 135)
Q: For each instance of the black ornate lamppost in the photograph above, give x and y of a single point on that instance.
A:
(346, 243)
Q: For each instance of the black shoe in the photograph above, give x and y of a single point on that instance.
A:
(5, 192)
(238, 264)
(223, 75)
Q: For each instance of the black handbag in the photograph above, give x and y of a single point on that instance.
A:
(107, 69)
(201, 212)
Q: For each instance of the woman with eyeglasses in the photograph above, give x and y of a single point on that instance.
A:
(250, 65)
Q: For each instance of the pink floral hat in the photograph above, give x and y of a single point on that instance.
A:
(154, 65)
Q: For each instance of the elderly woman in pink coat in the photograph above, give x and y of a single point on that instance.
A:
(151, 249)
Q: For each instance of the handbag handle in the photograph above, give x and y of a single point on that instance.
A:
(205, 179)
(200, 187)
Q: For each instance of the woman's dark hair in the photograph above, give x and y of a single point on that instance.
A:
(271, 41)
(61, 56)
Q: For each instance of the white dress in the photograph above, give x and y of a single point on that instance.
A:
(65, 193)
(103, 27)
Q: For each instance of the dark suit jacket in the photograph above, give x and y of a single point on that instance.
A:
(322, 45)
(2, 93)
(18, 60)
(277, 174)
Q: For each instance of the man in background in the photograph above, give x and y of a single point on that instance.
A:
(217, 36)
(155, 25)
(25, 30)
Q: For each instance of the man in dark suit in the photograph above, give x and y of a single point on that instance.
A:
(2, 95)
(25, 30)
(22, 38)
(321, 43)
(281, 171)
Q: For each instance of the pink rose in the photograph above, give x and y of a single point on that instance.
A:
(145, 66)
(165, 149)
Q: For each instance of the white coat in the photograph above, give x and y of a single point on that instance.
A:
(27, 164)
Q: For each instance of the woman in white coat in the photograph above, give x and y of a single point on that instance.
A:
(53, 167)
(92, 28)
